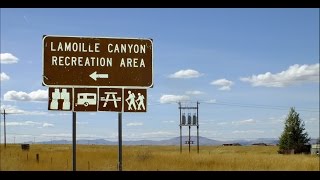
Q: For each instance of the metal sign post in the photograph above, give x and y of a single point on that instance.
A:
(74, 141)
(120, 141)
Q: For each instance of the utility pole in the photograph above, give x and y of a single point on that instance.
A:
(189, 138)
(191, 121)
(4, 128)
(0, 143)
(180, 129)
(198, 127)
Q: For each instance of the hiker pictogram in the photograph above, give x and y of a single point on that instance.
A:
(135, 100)
(140, 102)
(130, 100)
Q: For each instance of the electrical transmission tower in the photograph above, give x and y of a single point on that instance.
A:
(189, 120)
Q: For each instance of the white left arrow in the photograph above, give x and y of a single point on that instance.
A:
(94, 75)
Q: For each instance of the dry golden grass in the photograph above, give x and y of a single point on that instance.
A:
(162, 158)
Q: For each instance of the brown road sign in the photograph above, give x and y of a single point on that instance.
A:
(110, 99)
(95, 61)
(135, 100)
(85, 99)
(60, 99)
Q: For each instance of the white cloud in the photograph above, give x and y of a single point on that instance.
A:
(312, 120)
(247, 121)
(168, 121)
(188, 73)
(211, 101)
(167, 98)
(276, 120)
(34, 113)
(222, 123)
(8, 58)
(81, 123)
(15, 110)
(25, 123)
(39, 95)
(47, 125)
(4, 76)
(210, 121)
(29, 123)
(194, 92)
(225, 88)
(55, 113)
(295, 74)
(135, 124)
(225, 85)
(12, 109)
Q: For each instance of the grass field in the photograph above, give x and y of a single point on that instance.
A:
(162, 158)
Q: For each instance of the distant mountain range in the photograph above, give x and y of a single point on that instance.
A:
(172, 141)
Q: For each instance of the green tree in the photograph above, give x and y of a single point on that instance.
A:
(293, 136)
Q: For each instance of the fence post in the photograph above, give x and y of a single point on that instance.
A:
(38, 158)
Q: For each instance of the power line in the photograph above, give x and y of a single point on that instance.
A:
(260, 106)
(246, 105)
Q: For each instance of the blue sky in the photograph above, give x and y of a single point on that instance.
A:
(247, 67)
